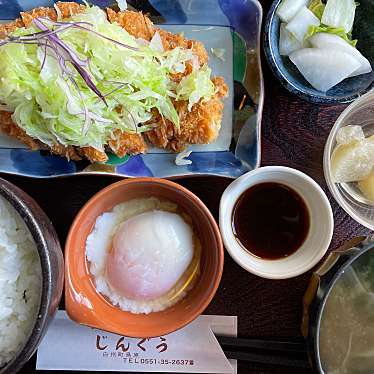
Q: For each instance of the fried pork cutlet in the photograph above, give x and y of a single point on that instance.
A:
(126, 142)
(70, 152)
(201, 125)
(135, 23)
(92, 154)
(7, 28)
(11, 129)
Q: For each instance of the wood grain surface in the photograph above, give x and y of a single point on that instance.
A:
(293, 134)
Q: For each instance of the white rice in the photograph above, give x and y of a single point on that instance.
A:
(98, 244)
(20, 282)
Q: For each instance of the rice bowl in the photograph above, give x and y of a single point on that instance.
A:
(47, 264)
(20, 282)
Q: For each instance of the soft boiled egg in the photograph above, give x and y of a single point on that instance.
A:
(149, 254)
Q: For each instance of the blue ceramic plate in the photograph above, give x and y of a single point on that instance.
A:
(291, 78)
(230, 24)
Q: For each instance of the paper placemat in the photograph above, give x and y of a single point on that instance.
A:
(193, 349)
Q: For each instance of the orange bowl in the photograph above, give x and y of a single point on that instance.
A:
(86, 306)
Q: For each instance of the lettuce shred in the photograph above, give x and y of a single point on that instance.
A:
(196, 86)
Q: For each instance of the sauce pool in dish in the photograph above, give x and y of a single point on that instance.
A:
(270, 220)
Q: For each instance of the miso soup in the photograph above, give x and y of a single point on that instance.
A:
(346, 341)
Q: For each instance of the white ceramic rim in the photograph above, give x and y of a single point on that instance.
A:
(327, 158)
(238, 253)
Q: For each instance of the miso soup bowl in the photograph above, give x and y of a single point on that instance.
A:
(87, 306)
(357, 254)
(318, 238)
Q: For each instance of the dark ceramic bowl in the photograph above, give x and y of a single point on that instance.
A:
(291, 78)
(321, 284)
(52, 265)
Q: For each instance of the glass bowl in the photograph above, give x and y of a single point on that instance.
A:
(348, 196)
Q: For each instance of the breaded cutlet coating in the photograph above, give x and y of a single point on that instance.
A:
(201, 125)
(126, 142)
(70, 8)
(10, 128)
(140, 26)
(221, 89)
(28, 17)
(70, 152)
(7, 28)
(92, 154)
(135, 23)
(67, 9)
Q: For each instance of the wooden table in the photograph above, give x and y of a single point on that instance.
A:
(293, 134)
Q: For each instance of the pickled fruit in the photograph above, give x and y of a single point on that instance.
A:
(352, 162)
(367, 186)
(349, 134)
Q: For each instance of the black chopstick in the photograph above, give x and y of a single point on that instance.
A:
(272, 345)
(267, 359)
(268, 352)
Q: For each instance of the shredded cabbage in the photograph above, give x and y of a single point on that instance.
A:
(122, 4)
(219, 53)
(182, 158)
(331, 30)
(50, 108)
(196, 86)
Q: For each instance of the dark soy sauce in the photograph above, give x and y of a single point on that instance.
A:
(270, 220)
